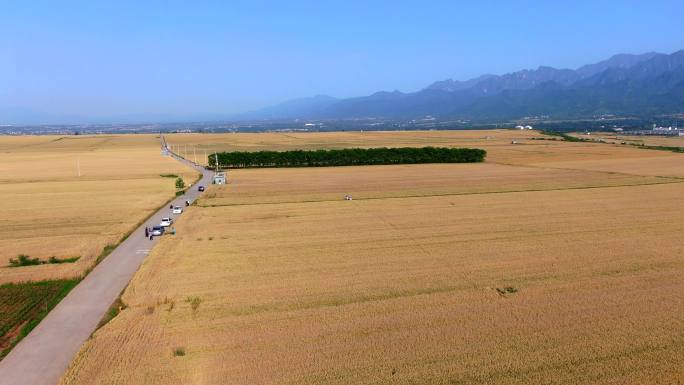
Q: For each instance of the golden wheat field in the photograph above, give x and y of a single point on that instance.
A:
(612, 137)
(510, 147)
(303, 184)
(489, 273)
(48, 210)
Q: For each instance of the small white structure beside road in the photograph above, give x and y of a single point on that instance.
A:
(219, 178)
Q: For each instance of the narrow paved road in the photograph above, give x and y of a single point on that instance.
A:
(44, 355)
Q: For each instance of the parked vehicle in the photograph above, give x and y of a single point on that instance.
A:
(157, 230)
(166, 222)
(200, 188)
(177, 210)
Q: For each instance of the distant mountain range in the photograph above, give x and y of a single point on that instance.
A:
(640, 86)
(644, 85)
(293, 109)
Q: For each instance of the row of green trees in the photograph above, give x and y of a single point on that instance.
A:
(347, 157)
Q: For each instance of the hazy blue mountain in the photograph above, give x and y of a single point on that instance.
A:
(291, 109)
(652, 87)
(620, 61)
(397, 105)
(526, 79)
(646, 85)
(451, 85)
(529, 78)
(520, 80)
(658, 64)
(650, 83)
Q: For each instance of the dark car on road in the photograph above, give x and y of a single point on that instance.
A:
(200, 188)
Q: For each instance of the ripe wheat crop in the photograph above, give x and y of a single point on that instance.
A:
(49, 210)
(438, 274)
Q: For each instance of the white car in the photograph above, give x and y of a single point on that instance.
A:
(177, 210)
(166, 222)
(157, 230)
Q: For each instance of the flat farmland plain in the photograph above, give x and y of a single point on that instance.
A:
(441, 274)
(650, 140)
(48, 210)
(519, 147)
(315, 184)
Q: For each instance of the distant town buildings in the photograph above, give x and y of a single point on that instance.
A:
(670, 128)
(661, 131)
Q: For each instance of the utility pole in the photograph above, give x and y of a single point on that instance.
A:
(78, 166)
(206, 158)
(185, 153)
(194, 153)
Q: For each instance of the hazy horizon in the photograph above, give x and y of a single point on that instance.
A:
(81, 62)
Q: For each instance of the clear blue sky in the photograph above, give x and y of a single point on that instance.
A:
(194, 57)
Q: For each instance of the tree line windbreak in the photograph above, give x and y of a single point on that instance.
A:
(347, 157)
